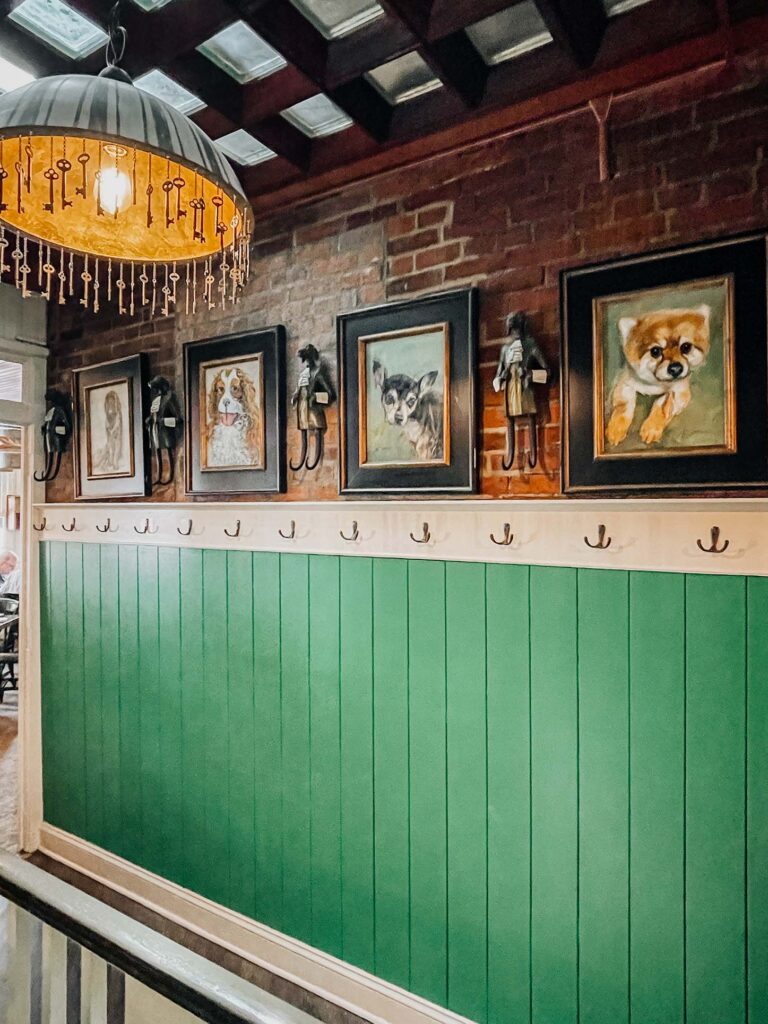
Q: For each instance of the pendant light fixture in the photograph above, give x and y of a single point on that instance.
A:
(108, 192)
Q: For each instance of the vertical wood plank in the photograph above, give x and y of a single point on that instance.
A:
(131, 781)
(390, 741)
(294, 626)
(356, 681)
(75, 740)
(657, 796)
(92, 693)
(267, 647)
(554, 809)
(715, 806)
(509, 869)
(110, 697)
(757, 797)
(603, 603)
(194, 711)
(148, 684)
(427, 754)
(216, 691)
(169, 713)
(467, 789)
(240, 728)
(54, 625)
(325, 796)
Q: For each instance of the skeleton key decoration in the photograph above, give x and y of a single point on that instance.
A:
(51, 175)
(83, 159)
(198, 208)
(28, 150)
(4, 243)
(65, 167)
(19, 183)
(178, 184)
(218, 202)
(3, 176)
(167, 189)
(150, 190)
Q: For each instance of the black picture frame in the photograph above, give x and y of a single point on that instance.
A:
(452, 316)
(266, 346)
(128, 379)
(738, 265)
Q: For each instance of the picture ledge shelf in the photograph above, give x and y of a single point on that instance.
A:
(719, 536)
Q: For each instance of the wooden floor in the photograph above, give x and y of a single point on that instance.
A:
(9, 774)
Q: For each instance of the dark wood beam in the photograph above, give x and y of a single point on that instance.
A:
(577, 26)
(206, 80)
(374, 44)
(366, 106)
(448, 16)
(282, 89)
(31, 55)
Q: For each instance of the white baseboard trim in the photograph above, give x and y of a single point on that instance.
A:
(355, 990)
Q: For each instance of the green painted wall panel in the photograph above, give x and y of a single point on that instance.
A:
(529, 794)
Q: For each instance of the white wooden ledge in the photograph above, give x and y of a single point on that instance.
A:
(653, 535)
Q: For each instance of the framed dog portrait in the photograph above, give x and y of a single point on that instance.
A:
(110, 445)
(407, 395)
(235, 415)
(664, 370)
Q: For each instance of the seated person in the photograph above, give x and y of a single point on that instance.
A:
(10, 573)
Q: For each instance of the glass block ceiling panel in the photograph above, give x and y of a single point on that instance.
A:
(614, 7)
(12, 77)
(317, 116)
(244, 149)
(59, 26)
(404, 78)
(335, 18)
(157, 83)
(510, 33)
(242, 53)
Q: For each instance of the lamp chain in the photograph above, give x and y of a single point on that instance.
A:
(117, 37)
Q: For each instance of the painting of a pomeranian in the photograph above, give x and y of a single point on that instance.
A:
(664, 370)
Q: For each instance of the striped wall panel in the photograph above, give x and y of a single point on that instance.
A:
(529, 794)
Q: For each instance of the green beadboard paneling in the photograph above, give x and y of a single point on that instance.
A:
(533, 795)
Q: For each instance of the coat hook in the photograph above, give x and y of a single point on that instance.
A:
(425, 535)
(236, 531)
(146, 528)
(713, 549)
(355, 532)
(291, 535)
(602, 543)
(41, 527)
(69, 529)
(185, 533)
(508, 537)
(107, 528)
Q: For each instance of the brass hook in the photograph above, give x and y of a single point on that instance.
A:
(355, 532)
(291, 535)
(508, 537)
(69, 529)
(146, 528)
(41, 527)
(107, 528)
(425, 535)
(237, 530)
(713, 549)
(185, 533)
(602, 543)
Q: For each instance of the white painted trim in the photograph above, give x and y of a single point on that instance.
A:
(364, 994)
(646, 534)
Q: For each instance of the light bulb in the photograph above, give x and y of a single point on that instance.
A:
(113, 190)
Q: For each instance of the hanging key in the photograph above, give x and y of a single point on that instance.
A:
(150, 190)
(178, 184)
(51, 175)
(19, 183)
(3, 176)
(167, 189)
(28, 150)
(65, 167)
(198, 207)
(83, 159)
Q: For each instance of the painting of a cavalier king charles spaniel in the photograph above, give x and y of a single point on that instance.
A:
(232, 410)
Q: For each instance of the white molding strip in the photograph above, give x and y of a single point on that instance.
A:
(645, 534)
(349, 987)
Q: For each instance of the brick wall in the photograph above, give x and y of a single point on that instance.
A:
(690, 161)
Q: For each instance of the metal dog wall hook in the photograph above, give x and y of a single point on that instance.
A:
(602, 542)
(314, 393)
(521, 365)
(57, 432)
(715, 548)
(163, 426)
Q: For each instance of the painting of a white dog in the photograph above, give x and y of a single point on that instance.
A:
(232, 414)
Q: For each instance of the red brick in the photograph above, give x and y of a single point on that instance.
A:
(415, 283)
(410, 243)
(401, 225)
(438, 256)
(436, 215)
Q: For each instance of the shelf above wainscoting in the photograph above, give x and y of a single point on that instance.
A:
(673, 535)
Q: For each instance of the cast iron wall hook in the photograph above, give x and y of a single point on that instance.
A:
(107, 528)
(70, 529)
(355, 532)
(291, 535)
(425, 535)
(236, 532)
(146, 528)
(602, 543)
(41, 527)
(507, 539)
(185, 533)
(713, 548)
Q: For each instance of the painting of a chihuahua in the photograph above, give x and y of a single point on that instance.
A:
(415, 407)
